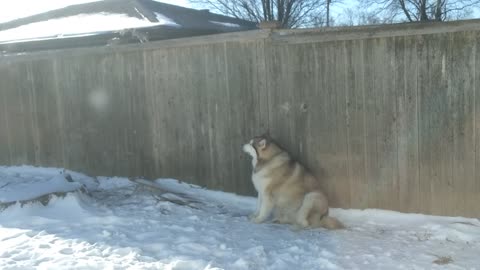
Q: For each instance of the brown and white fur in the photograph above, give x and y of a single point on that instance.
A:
(286, 189)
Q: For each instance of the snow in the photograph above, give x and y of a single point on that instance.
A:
(12, 10)
(84, 24)
(16, 188)
(164, 20)
(225, 24)
(122, 224)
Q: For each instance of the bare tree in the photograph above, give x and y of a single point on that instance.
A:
(290, 13)
(423, 10)
(358, 16)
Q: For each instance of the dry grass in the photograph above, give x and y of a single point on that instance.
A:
(442, 260)
(423, 236)
(44, 199)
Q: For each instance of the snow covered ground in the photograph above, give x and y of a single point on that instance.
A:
(113, 223)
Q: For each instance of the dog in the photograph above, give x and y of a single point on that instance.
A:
(286, 189)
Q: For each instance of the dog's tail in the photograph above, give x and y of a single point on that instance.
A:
(331, 223)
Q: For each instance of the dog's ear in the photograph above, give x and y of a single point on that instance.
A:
(266, 134)
(262, 144)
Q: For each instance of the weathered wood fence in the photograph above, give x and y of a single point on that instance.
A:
(386, 115)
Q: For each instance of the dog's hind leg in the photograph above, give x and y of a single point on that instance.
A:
(312, 203)
(305, 209)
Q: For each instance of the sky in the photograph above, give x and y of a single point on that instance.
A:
(22, 8)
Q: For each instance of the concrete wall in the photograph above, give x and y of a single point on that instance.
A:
(385, 115)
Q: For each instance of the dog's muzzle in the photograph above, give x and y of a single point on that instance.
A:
(249, 149)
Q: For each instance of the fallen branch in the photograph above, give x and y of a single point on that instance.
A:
(162, 194)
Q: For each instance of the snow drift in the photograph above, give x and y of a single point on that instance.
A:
(117, 223)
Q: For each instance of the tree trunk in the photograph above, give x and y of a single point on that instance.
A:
(281, 12)
(405, 10)
(267, 10)
(328, 12)
(423, 11)
(438, 11)
(264, 5)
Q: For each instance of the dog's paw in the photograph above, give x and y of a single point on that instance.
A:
(280, 220)
(296, 228)
(257, 220)
(301, 225)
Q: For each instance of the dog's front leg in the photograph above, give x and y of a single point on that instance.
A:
(266, 207)
(257, 209)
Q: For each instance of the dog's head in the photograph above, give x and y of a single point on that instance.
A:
(261, 148)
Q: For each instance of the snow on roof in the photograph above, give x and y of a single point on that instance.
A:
(164, 20)
(79, 25)
(226, 24)
(100, 22)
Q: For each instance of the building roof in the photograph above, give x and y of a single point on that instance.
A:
(112, 21)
